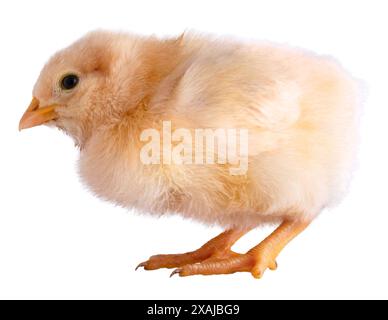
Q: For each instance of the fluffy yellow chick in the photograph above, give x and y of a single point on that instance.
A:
(107, 89)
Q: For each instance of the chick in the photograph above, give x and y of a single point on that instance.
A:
(299, 109)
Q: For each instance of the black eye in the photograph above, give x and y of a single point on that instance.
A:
(69, 82)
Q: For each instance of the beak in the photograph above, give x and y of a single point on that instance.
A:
(36, 115)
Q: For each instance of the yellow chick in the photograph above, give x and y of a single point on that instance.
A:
(283, 124)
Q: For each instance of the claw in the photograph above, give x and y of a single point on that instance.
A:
(274, 266)
(176, 271)
(141, 265)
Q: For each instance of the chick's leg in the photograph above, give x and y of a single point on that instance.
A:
(217, 247)
(256, 260)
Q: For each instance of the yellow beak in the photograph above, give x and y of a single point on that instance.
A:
(35, 115)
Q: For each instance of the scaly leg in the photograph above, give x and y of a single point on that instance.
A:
(256, 260)
(217, 247)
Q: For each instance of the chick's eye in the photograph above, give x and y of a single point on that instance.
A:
(69, 82)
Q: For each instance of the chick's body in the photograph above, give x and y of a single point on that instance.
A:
(300, 111)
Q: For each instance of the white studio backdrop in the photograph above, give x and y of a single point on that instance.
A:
(59, 241)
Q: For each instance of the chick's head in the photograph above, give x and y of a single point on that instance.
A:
(74, 91)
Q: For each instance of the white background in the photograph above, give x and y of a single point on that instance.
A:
(58, 241)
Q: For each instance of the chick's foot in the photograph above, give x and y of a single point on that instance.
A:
(256, 261)
(216, 248)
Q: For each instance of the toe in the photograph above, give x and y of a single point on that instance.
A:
(168, 261)
(257, 273)
(216, 266)
(273, 265)
(261, 265)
